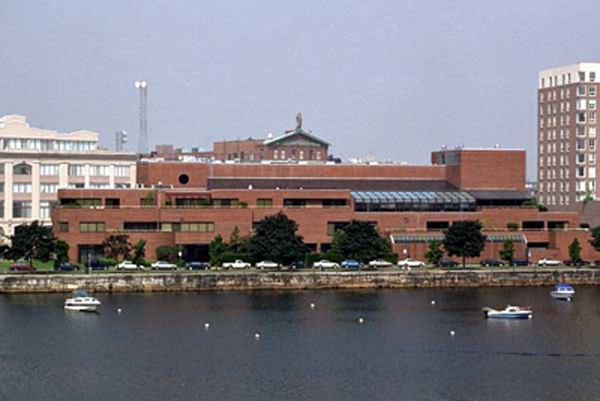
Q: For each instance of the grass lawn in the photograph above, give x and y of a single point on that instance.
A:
(38, 264)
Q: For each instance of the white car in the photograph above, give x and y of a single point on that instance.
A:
(238, 264)
(162, 265)
(267, 264)
(406, 263)
(128, 265)
(548, 262)
(325, 264)
(379, 263)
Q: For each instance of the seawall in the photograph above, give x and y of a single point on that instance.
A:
(242, 281)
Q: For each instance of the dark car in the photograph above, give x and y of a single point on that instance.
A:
(98, 265)
(491, 262)
(446, 263)
(21, 267)
(66, 267)
(351, 264)
(197, 266)
(519, 262)
(570, 262)
(297, 265)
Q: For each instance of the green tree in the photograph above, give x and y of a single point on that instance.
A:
(169, 253)
(139, 253)
(32, 241)
(595, 241)
(575, 252)
(216, 249)
(464, 239)
(434, 252)
(117, 247)
(360, 240)
(275, 239)
(507, 252)
(237, 243)
(61, 252)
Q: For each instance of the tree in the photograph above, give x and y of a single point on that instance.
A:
(464, 239)
(275, 239)
(435, 252)
(595, 241)
(167, 252)
(117, 245)
(360, 240)
(139, 253)
(32, 241)
(61, 252)
(238, 244)
(507, 252)
(216, 249)
(575, 252)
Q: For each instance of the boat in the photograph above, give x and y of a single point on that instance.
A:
(82, 302)
(563, 291)
(510, 312)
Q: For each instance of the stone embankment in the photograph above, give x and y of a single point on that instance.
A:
(241, 281)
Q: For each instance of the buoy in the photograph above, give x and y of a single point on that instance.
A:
(312, 306)
(452, 333)
(119, 310)
(433, 302)
(206, 325)
(361, 320)
(257, 336)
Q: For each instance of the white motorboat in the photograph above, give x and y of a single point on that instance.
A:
(563, 291)
(510, 312)
(82, 302)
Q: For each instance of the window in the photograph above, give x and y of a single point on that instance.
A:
(45, 207)
(592, 90)
(581, 76)
(275, 154)
(197, 227)
(22, 209)
(264, 202)
(581, 117)
(96, 185)
(48, 188)
(100, 171)
(592, 131)
(580, 172)
(122, 171)
(592, 116)
(22, 169)
(332, 227)
(92, 227)
(592, 76)
(21, 188)
(581, 104)
(2, 209)
(48, 169)
(581, 90)
(580, 144)
(63, 227)
(282, 154)
(580, 157)
(76, 186)
(581, 130)
(301, 157)
(592, 144)
(592, 104)
(592, 158)
(77, 170)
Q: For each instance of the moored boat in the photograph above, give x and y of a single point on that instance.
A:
(82, 302)
(563, 291)
(510, 312)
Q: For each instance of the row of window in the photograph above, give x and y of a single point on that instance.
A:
(566, 79)
(100, 226)
(23, 209)
(312, 155)
(563, 187)
(74, 170)
(46, 145)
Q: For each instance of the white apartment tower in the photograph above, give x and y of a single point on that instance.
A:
(567, 126)
(36, 163)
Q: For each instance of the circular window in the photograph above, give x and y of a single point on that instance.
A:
(184, 179)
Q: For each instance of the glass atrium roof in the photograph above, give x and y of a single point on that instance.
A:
(412, 197)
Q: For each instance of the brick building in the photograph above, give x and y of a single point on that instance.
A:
(188, 204)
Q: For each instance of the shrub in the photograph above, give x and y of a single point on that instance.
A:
(512, 226)
(169, 253)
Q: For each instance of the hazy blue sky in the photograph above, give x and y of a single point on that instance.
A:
(394, 79)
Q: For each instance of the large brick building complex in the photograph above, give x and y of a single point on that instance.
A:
(188, 204)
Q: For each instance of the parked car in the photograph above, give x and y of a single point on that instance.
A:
(267, 264)
(379, 263)
(162, 265)
(21, 266)
(446, 263)
(325, 264)
(351, 264)
(491, 262)
(597, 263)
(128, 265)
(238, 264)
(66, 267)
(519, 262)
(548, 262)
(197, 266)
(297, 265)
(570, 262)
(410, 263)
(97, 265)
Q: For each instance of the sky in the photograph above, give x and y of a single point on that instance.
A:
(389, 79)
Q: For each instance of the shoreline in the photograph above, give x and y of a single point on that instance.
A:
(283, 280)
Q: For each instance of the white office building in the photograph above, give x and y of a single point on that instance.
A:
(35, 163)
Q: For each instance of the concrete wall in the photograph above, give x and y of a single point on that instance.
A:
(26, 283)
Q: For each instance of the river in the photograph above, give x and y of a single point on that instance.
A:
(159, 348)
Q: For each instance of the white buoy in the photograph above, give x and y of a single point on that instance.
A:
(433, 302)
(257, 336)
(206, 325)
(119, 310)
(312, 306)
(361, 320)
(452, 333)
